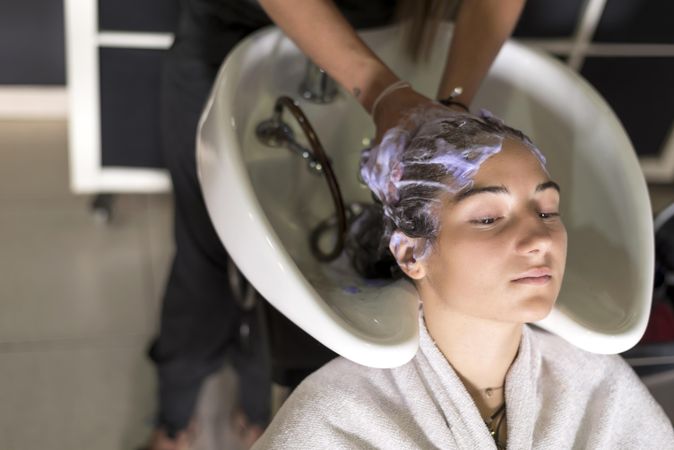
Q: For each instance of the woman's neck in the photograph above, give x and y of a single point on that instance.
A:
(480, 351)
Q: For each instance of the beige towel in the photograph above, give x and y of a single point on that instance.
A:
(557, 397)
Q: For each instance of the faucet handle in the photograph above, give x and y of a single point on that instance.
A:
(317, 85)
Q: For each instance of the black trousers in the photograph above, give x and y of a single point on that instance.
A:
(200, 321)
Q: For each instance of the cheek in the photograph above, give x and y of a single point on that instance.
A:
(468, 267)
(561, 243)
(558, 236)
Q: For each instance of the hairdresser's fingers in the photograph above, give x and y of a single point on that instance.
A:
(394, 108)
(457, 108)
(397, 112)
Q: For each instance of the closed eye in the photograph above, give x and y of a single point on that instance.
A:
(548, 215)
(485, 221)
(493, 220)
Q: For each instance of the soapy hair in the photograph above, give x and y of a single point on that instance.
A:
(436, 151)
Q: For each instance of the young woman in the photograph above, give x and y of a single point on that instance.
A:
(471, 217)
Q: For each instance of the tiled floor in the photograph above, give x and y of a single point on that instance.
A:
(79, 304)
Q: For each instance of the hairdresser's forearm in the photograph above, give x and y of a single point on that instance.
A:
(481, 28)
(323, 34)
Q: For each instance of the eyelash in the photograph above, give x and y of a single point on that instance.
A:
(494, 219)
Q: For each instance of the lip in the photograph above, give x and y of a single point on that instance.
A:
(536, 275)
(533, 280)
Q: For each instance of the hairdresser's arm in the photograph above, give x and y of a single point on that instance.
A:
(481, 28)
(323, 34)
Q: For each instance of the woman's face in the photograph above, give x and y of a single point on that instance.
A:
(501, 249)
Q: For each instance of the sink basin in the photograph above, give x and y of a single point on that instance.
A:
(264, 201)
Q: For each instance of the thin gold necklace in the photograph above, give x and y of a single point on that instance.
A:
(494, 430)
(490, 390)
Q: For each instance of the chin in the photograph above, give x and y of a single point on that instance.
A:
(535, 308)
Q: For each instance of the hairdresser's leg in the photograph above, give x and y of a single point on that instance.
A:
(198, 315)
(199, 319)
(251, 359)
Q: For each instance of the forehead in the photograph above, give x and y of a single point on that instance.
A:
(515, 161)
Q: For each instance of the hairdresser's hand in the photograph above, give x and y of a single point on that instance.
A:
(394, 109)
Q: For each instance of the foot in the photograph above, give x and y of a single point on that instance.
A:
(160, 440)
(245, 431)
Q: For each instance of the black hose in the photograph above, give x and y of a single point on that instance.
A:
(333, 185)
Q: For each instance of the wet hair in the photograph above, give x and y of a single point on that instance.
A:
(435, 151)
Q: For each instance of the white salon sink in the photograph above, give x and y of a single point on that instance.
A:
(264, 201)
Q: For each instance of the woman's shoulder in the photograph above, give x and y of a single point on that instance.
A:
(345, 378)
(588, 385)
(327, 409)
(560, 356)
(332, 387)
(351, 388)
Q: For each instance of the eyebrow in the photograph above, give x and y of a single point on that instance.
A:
(501, 190)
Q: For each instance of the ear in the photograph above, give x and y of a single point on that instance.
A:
(403, 249)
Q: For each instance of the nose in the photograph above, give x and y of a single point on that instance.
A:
(533, 236)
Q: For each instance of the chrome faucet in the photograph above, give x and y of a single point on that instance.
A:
(317, 85)
(274, 132)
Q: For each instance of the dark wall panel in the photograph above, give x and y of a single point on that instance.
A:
(637, 21)
(138, 15)
(548, 18)
(32, 42)
(130, 107)
(641, 92)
